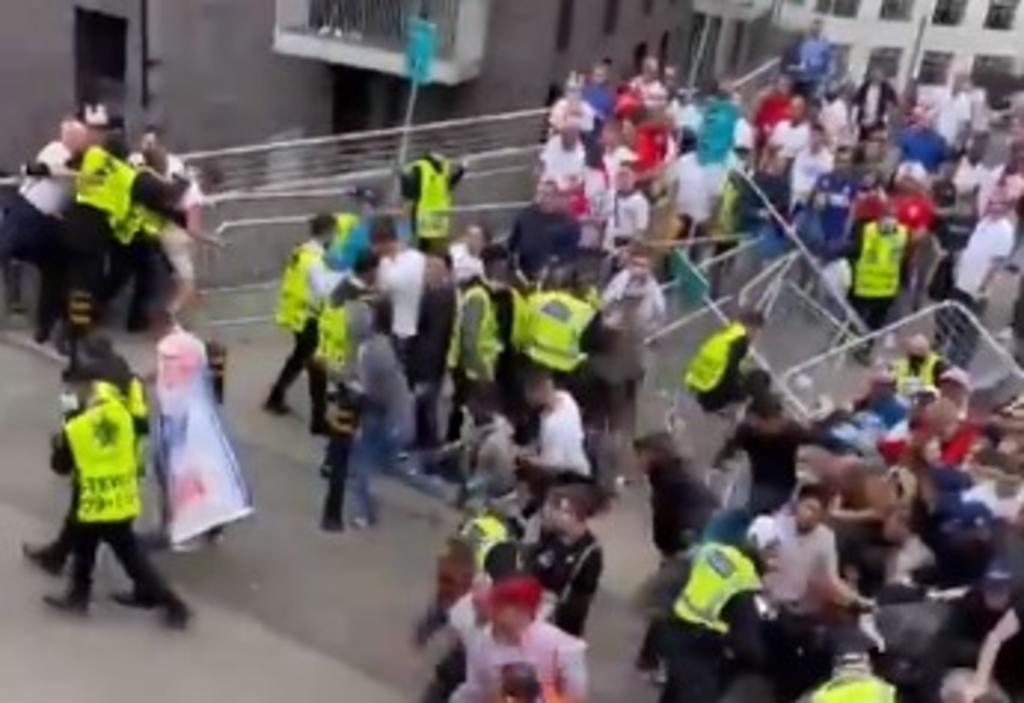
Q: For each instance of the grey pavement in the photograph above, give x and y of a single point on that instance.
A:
(283, 611)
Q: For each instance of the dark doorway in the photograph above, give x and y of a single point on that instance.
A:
(639, 54)
(101, 59)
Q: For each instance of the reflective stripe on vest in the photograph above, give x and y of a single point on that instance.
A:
(488, 339)
(877, 271)
(707, 368)
(295, 305)
(105, 182)
(433, 208)
(908, 382)
(102, 443)
(484, 532)
(719, 572)
(557, 323)
(855, 689)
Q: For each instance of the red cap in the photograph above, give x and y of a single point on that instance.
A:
(517, 591)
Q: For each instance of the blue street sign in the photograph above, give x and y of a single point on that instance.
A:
(420, 47)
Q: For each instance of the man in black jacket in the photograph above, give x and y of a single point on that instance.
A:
(428, 353)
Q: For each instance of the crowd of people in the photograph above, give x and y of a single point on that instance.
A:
(501, 375)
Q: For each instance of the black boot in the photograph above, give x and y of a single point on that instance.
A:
(177, 615)
(69, 603)
(44, 558)
(134, 600)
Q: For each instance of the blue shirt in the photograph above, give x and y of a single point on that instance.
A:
(601, 98)
(815, 59)
(924, 146)
(840, 189)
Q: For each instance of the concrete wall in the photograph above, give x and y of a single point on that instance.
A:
(214, 80)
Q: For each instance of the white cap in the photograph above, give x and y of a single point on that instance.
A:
(96, 116)
(764, 532)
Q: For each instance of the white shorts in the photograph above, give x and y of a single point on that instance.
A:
(177, 245)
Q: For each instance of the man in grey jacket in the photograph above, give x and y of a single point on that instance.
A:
(387, 419)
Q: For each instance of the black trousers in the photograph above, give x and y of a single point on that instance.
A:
(301, 359)
(134, 264)
(33, 237)
(694, 661)
(336, 462)
(149, 586)
(874, 311)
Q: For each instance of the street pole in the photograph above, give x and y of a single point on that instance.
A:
(702, 41)
(410, 111)
(918, 50)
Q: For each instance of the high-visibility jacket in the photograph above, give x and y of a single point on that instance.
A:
(877, 271)
(556, 325)
(484, 533)
(859, 688)
(707, 368)
(433, 209)
(908, 381)
(102, 444)
(334, 348)
(519, 334)
(296, 304)
(488, 339)
(344, 224)
(105, 182)
(719, 573)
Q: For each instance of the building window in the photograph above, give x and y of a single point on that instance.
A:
(611, 16)
(841, 59)
(563, 29)
(935, 66)
(887, 60)
(1001, 14)
(897, 10)
(949, 13)
(648, 6)
(992, 65)
(838, 8)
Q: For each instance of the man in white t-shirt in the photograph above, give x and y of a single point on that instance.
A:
(810, 164)
(400, 277)
(953, 117)
(31, 226)
(563, 159)
(793, 135)
(629, 212)
(560, 445)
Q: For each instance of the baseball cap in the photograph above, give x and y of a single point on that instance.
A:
(764, 532)
(958, 376)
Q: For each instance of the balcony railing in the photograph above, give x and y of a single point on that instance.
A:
(370, 34)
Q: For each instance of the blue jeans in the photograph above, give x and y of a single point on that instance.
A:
(376, 449)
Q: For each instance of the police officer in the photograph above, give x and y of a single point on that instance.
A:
(427, 185)
(560, 325)
(303, 288)
(920, 368)
(715, 374)
(346, 320)
(878, 258)
(716, 612)
(853, 681)
(100, 355)
(98, 448)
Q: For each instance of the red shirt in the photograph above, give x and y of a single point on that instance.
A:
(868, 206)
(773, 108)
(651, 146)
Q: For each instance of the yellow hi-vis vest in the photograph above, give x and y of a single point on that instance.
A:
(105, 182)
(484, 533)
(433, 209)
(719, 572)
(519, 334)
(877, 272)
(334, 348)
(102, 443)
(855, 689)
(488, 340)
(908, 382)
(707, 368)
(344, 224)
(295, 305)
(556, 325)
